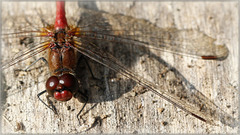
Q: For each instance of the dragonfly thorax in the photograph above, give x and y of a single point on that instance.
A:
(61, 56)
(60, 39)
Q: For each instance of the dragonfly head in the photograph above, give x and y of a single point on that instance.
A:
(61, 87)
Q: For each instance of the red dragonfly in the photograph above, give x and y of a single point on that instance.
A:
(63, 41)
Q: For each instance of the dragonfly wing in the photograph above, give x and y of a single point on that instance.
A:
(15, 33)
(140, 32)
(191, 101)
(25, 54)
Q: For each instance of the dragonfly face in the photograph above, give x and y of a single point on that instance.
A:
(61, 87)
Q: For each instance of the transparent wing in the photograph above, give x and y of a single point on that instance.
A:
(189, 42)
(26, 53)
(16, 29)
(128, 30)
(191, 101)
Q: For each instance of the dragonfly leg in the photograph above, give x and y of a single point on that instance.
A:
(52, 108)
(42, 58)
(86, 100)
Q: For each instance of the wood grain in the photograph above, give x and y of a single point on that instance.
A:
(115, 106)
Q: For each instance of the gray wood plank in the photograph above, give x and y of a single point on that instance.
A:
(116, 106)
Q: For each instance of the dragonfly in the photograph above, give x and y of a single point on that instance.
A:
(64, 41)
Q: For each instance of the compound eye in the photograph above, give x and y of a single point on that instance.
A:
(52, 83)
(67, 80)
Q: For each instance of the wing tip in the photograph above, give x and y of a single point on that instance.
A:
(212, 57)
(221, 53)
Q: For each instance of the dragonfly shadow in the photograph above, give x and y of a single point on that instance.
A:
(128, 54)
(119, 43)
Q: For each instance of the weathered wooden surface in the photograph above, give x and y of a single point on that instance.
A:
(114, 106)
